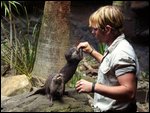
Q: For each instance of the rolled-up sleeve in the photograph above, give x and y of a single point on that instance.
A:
(124, 64)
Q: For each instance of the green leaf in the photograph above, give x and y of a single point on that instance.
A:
(6, 10)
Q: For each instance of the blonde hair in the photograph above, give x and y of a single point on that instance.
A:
(107, 15)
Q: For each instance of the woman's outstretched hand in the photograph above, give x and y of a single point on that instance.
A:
(85, 46)
(83, 86)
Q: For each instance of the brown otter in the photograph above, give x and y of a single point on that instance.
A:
(55, 84)
(53, 87)
(73, 57)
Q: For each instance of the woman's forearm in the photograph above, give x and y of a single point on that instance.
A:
(96, 55)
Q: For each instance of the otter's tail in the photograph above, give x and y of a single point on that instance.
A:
(39, 91)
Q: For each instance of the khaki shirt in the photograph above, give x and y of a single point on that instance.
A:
(118, 59)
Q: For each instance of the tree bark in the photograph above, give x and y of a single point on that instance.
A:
(53, 38)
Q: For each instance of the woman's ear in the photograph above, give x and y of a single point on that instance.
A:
(108, 29)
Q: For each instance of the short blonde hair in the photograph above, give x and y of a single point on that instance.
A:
(107, 15)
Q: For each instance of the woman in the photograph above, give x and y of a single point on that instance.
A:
(116, 85)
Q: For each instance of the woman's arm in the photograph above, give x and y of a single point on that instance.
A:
(125, 91)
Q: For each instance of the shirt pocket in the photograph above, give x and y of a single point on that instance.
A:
(105, 67)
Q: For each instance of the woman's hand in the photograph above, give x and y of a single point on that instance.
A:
(83, 86)
(85, 46)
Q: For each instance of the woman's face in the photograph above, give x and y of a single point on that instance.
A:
(99, 34)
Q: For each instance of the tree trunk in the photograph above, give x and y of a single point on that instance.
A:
(53, 39)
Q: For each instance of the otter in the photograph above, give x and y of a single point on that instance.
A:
(53, 87)
(55, 84)
(73, 57)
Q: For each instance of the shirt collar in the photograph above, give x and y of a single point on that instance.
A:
(116, 42)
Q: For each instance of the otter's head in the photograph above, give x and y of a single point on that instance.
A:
(73, 55)
(58, 78)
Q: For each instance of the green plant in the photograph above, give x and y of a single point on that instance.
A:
(19, 51)
(145, 75)
(8, 11)
(7, 7)
(102, 47)
(23, 53)
(74, 79)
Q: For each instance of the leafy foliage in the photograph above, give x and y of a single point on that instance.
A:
(19, 50)
(74, 79)
(145, 75)
(102, 48)
(7, 5)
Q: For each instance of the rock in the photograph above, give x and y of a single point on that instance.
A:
(73, 102)
(14, 85)
(139, 4)
(38, 81)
